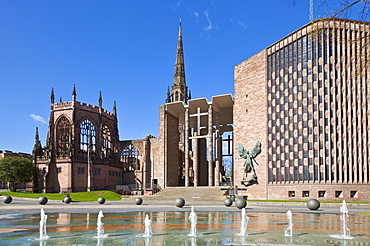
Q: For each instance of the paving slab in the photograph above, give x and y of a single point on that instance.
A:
(26, 205)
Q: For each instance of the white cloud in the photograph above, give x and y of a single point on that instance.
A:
(240, 23)
(38, 119)
(210, 25)
(176, 5)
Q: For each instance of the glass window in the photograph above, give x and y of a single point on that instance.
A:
(80, 170)
(354, 194)
(338, 194)
(321, 193)
(96, 170)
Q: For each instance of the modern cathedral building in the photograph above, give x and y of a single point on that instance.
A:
(305, 99)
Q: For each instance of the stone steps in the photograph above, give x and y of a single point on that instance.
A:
(190, 194)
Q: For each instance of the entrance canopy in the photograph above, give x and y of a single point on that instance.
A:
(203, 123)
(222, 105)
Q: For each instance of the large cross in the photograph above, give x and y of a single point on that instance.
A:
(198, 114)
(228, 140)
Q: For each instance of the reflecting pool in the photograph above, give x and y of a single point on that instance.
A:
(173, 228)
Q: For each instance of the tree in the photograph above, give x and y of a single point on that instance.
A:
(16, 170)
(349, 9)
(355, 9)
(358, 10)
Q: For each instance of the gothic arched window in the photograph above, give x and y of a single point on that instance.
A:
(87, 135)
(63, 136)
(130, 156)
(106, 148)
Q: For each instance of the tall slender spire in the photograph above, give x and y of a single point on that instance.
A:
(100, 100)
(37, 148)
(74, 94)
(115, 108)
(168, 100)
(179, 77)
(179, 88)
(37, 139)
(52, 97)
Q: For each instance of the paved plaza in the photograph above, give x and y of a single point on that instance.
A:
(160, 204)
(76, 223)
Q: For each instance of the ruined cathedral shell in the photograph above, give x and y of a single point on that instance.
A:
(82, 149)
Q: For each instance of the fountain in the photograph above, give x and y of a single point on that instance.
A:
(148, 226)
(100, 225)
(43, 219)
(193, 220)
(289, 228)
(243, 224)
(344, 216)
(172, 228)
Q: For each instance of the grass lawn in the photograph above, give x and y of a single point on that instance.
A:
(303, 201)
(76, 197)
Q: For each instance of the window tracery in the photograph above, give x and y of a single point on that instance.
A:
(106, 140)
(63, 136)
(87, 135)
(130, 156)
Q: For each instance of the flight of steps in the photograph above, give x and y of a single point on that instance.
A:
(196, 194)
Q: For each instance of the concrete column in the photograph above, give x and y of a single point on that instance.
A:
(210, 146)
(186, 147)
(218, 150)
(195, 159)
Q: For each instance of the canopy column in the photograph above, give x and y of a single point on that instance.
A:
(210, 145)
(218, 150)
(195, 159)
(186, 147)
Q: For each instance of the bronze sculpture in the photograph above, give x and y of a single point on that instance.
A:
(249, 158)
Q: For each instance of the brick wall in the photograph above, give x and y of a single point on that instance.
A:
(156, 156)
(250, 121)
(326, 192)
(158, 153)
(172, 146)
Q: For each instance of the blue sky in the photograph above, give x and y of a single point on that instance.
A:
(126, 49)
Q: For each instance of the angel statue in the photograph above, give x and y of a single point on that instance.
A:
(249, 157)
